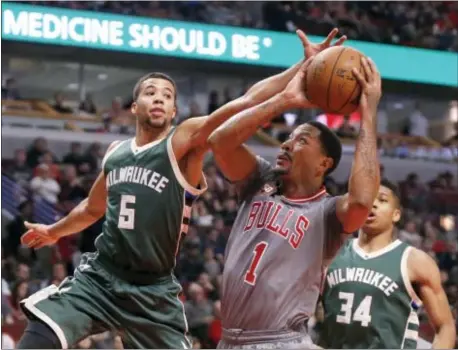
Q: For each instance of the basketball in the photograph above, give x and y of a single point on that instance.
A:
(330, 83)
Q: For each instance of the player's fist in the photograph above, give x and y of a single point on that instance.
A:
(37, 236)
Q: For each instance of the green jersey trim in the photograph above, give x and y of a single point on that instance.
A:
(406, 278)
(110, 152)
(180, 177)
(366, 256)
(138, 149)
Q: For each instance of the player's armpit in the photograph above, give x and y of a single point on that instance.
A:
(351, 214)
(424, 273)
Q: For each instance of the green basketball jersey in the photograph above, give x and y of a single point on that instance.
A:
(368, 299)
(148, 206)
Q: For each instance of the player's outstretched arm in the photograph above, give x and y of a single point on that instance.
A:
(193, 133)
(354, 207)
(233, 158)
(82, 216)
(424, 273)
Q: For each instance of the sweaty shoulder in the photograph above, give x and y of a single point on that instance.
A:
(420, 265)
(183, 135)
(111, 148)
(252, 183)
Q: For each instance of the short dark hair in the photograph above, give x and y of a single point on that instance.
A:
(330, 143)
(157, 75)
(394, 190)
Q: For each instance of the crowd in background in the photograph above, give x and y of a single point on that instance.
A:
(428, 223)
(428, 24)
(37, 174)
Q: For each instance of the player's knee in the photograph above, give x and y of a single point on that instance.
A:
(37, 335)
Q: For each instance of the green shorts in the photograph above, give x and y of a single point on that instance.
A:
(96, 299)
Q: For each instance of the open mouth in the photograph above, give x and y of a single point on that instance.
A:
(371, 217)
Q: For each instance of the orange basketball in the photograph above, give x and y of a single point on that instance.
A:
(330, 83)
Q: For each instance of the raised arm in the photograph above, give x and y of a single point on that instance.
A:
(353, 208)
(233, 158)
(424, 273)
(193, 133)
(82, 216)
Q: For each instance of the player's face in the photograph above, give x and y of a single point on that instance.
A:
(155, 105)
(302, 153)
(385, 213)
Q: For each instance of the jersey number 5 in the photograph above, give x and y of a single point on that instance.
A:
(259, 250)
(362, 313)
(126, 215)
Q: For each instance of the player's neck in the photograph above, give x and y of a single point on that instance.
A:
(372, 243)
(144, 136)
(302, 189)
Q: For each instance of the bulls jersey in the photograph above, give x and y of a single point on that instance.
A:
(275, 257)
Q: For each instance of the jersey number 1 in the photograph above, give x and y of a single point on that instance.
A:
(126, 215)
(362, 313)
(259, 250)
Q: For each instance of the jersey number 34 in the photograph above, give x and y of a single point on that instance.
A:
(362, 313)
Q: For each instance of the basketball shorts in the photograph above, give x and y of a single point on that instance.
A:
(96, 300)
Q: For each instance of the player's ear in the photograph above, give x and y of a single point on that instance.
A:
(327, 163)
(133, 108)
(396, 215)
(175, 109)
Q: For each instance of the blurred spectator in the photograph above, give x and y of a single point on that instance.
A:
(211, 265)
(10, 91)
(346, 130)
(214, 331)
(44, 185)
(48, 160)
(410, 235)
(38, 148)
(117, 119)
(191, 262)
(88, 105)
(75, 157)
(20, 291)
(59, 100)
(213, 102)
(418, 123)
(71, 189)
(93, 158)
(199, 312)
(19, 170)
(16, 228)
(210, 291)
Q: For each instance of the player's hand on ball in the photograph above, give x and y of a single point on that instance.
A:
(294, 92)
(311, 49)
(371, 85)
(37, 236)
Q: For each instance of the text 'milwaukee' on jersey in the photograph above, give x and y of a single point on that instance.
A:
(275, 257)
(368, 299)
(148, 206)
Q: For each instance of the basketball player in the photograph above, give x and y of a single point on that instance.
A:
(376, 283)
(145, 192)
(286, 230)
